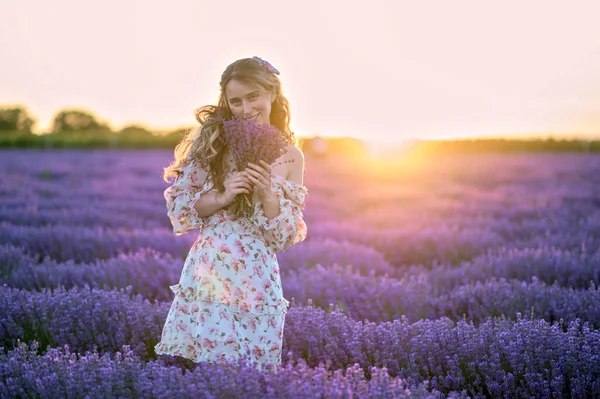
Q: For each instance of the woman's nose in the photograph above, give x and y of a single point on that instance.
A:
(247, 109)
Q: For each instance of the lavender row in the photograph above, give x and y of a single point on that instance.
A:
(453, 245)
(34, 206)
(82, 317)
(393, 247)
(327, 251)
(567, 268)
(370, 297)
(399, 246)
(443, 244)
(82, 244)
(150, 272)
(146, 271)
(299, 257)
(481, 300)
(62, 373)
(499, 357)
(510, 201)
(385, 299)
(80, 217)
(75, 208)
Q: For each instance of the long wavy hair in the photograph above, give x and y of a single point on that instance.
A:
(205, 144)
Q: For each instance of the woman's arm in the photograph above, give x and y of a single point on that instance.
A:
(189, 200)
(271, 206)
(209, 203)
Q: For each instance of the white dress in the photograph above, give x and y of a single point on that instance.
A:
(229, 300)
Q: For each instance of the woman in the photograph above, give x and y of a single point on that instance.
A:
(229, 302)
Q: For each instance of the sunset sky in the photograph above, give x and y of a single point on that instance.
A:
(380, 70)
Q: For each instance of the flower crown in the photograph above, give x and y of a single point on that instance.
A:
(267, 64)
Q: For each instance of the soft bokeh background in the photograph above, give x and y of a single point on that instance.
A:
(383, 71)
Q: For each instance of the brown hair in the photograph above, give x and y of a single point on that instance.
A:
(205, 143)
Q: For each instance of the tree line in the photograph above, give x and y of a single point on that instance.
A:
(67, 121)
(80, 128)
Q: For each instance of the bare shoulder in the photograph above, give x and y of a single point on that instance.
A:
(295, 168)
(293, 152)
(290, 165)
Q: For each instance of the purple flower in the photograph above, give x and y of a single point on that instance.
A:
(251, 142)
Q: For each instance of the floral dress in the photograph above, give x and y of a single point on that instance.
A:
(229, 301)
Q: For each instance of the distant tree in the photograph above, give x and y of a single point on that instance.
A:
(77, 121)
(15, 120)
(136, 131)
(179, 133)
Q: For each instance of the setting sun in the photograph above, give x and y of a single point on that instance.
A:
(391, 71)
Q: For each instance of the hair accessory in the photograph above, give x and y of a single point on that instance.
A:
(267, 64)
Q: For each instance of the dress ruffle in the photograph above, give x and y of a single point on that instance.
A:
(215, 333)
(181, 198)
(288, 227)
(248, 305)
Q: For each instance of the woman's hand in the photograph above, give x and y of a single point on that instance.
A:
(260, 176)
(238, 183)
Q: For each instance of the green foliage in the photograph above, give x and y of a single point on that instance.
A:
(74, 121)
(85, 140)
(77, 128)
(135, 131)
(179, 133)
(144, 140)
(15, 119)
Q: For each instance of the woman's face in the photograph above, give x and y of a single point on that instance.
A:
(249, 101)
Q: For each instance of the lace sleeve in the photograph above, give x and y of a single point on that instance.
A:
(181, 197)
(288, 228)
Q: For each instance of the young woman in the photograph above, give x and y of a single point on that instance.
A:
(229, 301)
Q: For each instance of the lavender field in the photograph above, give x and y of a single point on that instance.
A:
(471, 276)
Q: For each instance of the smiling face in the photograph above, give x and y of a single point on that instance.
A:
(249, 101)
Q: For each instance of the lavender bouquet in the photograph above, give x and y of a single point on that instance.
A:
(251, 142)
